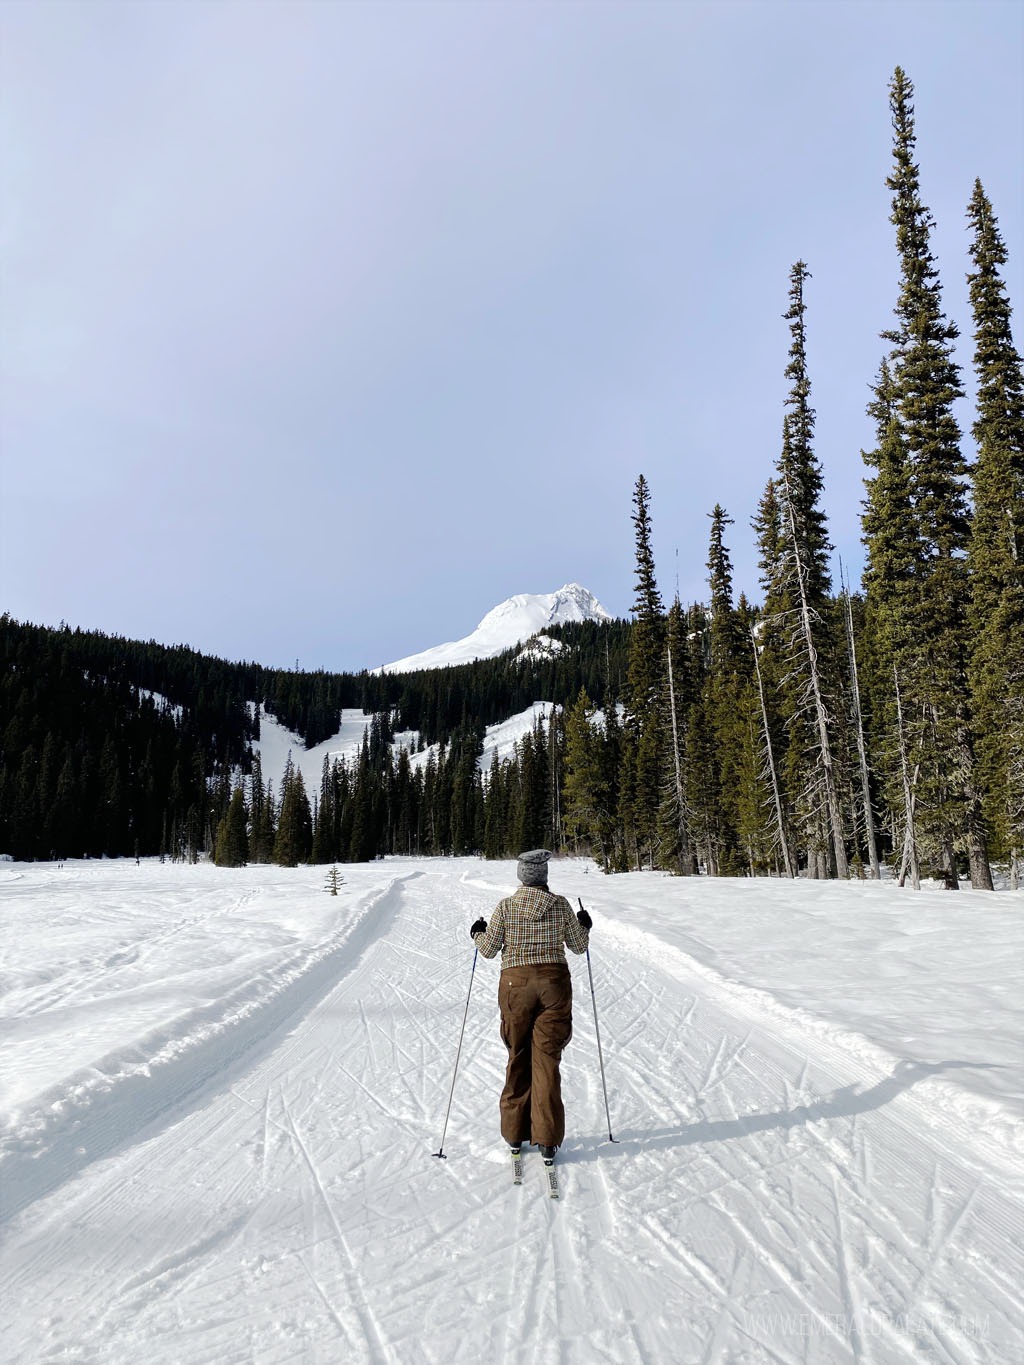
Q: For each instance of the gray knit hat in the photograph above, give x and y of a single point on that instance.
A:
(533, 867)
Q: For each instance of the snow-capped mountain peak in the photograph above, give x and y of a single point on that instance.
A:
(508, 624)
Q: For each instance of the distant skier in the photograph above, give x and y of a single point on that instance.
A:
(535, 998)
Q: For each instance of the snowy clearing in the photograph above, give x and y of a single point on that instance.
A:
(222, 1090)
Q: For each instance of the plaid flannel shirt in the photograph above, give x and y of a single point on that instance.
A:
(530, 927)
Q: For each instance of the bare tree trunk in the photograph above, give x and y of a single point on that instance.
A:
(981, 868)
(869, 819)
(977, 853)
(827, 767)
(949, 864)
(711, 857)
(771, 761)
(556, 812)
(684, 837)
(909, 834)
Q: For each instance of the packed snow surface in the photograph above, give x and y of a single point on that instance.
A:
(508, 624)
(222, 1090)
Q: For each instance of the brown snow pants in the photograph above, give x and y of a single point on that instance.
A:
(536, 1024)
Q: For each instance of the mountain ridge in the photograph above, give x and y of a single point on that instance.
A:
(511, 622)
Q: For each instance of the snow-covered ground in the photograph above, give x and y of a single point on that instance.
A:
(222, 1089)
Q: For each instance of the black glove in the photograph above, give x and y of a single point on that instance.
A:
(585, 921)
(480, 927)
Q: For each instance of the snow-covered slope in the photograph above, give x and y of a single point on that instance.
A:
(276, 742)
(229, 1086)
(501, 739)
(508, 624)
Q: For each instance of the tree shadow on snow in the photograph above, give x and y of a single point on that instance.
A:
(843, 1103)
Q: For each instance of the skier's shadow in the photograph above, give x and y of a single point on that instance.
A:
(843, 1103)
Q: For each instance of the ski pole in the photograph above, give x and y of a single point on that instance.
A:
(600, 1058)
(440, 1150)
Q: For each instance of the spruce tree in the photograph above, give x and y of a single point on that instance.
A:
(767, 527)
(996, 555)
(674, 819)
(466, 749)
(703, 795)
(773, 709)
(799, 594)
(801, 472)
(584, 795)
(264, 828)
(641, 778)
(926, 383)
(405, 813)
(428, 805)
(256, 796)
(362, 845)
(889, 582)
(324, 850)
(724, 686)
(232, 847)
(294, 839)
(495, 833)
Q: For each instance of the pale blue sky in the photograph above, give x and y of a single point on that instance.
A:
(325, 327)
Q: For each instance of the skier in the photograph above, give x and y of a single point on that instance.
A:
(535, 998)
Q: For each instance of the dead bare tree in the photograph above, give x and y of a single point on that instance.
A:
(865, 780)
(803, 619)
(770, 763)
(682, 814)
(910, 857)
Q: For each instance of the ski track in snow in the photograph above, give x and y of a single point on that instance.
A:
(271, 1196)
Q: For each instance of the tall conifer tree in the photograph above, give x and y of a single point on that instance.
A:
(642, 771)
(294, 838)
(890, 587)
(674, 819)
(996, 555)
(232, 846)
(585, 796)
(724, 685)
(799, 594)
(926, 383)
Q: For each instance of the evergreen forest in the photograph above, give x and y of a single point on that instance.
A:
(821, 731)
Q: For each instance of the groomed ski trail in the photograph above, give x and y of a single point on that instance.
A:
(771, 1199)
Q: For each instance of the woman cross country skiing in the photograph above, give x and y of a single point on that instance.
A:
(535, 998)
